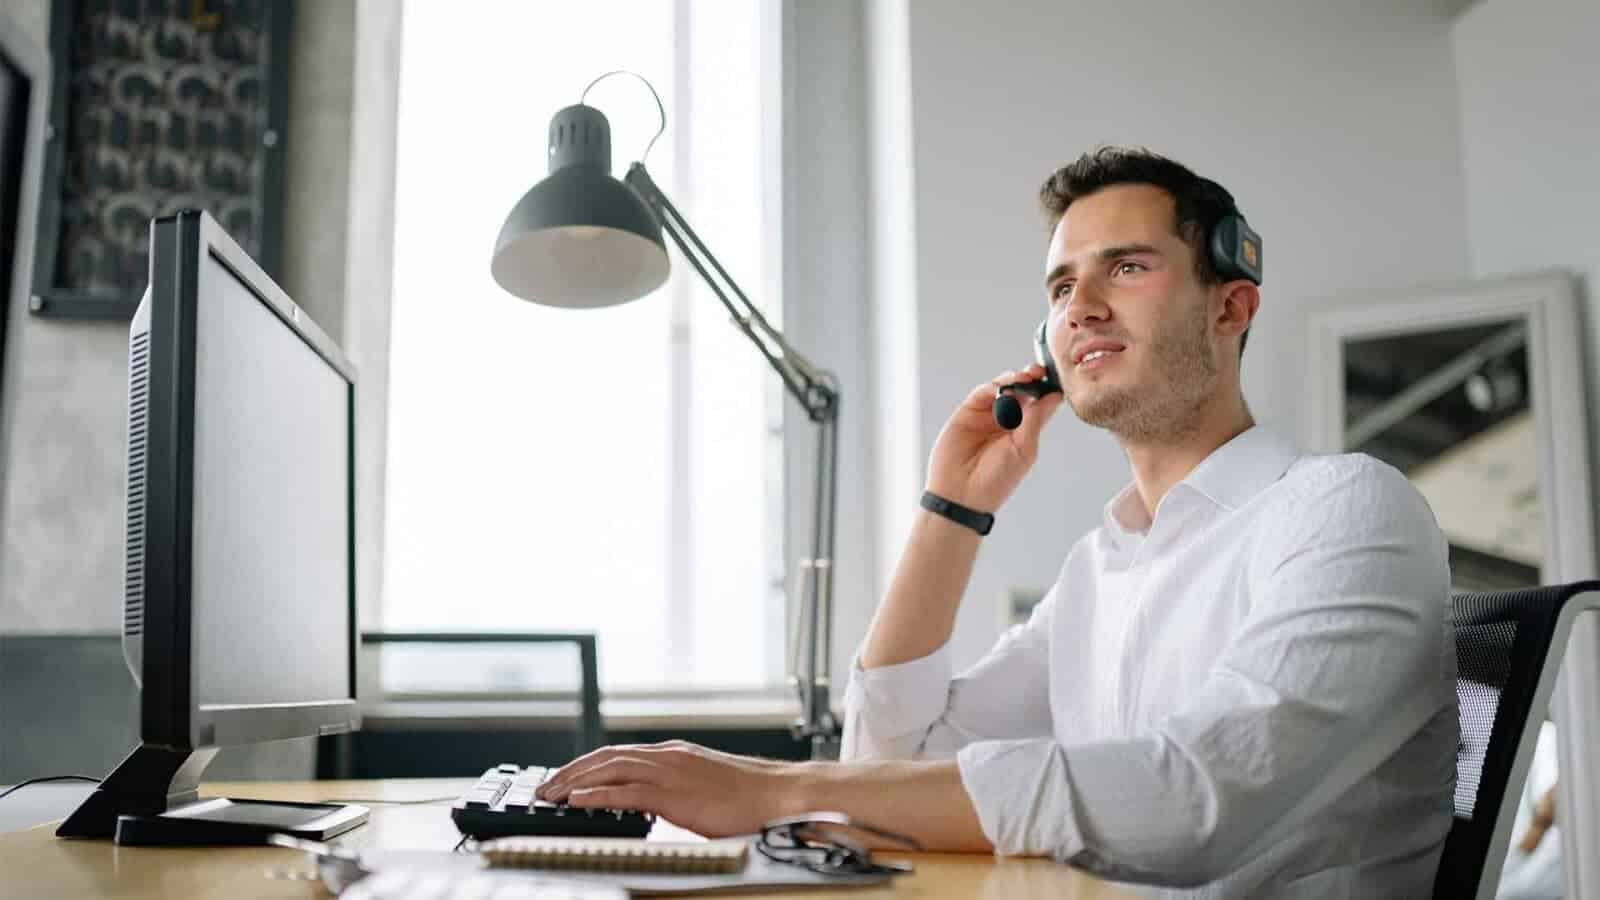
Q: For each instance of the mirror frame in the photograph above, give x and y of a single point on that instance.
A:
(1548, 303)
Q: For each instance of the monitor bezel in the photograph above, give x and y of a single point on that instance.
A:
(170, 715)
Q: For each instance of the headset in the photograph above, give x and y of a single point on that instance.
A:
(1235, 250)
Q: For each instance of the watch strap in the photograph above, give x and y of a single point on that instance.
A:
(980, 522)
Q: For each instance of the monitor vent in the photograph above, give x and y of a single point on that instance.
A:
(138, 421)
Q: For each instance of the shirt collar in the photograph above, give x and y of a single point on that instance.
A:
(1228, 477)
(1243, 467)
(1124, 516)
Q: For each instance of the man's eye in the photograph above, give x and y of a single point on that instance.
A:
(1127, 264)
(1061, 290)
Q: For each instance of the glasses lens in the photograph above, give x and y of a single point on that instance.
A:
(826, 847)
(778, 837)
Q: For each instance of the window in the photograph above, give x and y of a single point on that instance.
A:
(614, 470)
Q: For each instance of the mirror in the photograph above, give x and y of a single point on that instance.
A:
(1450, 408)
(1476, 392)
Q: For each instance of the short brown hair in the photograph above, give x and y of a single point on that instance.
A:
(1199, 202)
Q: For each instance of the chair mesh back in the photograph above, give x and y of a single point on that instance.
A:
(1502, 645)
(1483, 664)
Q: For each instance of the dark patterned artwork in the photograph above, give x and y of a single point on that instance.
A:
(167, 109)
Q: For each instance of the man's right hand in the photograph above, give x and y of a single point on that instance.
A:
(977, 463)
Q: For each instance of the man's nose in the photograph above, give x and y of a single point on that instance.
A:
(1086, 306)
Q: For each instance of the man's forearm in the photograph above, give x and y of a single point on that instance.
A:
(919, 612)
(921, 799)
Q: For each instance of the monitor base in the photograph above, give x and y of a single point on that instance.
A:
(218, 821)
(152, 799)
(150, 781)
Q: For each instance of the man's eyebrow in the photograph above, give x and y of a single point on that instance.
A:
(1105, 255)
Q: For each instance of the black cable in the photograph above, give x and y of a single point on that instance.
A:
(22, 784)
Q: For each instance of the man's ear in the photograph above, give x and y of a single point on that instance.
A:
(1240, 299)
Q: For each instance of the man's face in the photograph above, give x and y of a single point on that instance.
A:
(1120, 279)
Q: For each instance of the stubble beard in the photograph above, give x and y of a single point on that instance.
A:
(1185, 374)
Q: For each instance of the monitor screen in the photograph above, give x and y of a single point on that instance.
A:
(270, 564)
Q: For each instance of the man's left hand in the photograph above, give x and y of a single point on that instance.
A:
(706, 791)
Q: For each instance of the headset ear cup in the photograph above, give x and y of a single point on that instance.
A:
(1222, 247)
(1235, 249)
(1041, 350)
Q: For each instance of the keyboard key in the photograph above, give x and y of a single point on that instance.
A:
(479, 799)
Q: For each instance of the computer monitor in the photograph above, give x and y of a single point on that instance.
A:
(239, 613)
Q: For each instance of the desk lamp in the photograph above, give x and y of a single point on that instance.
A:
(580, 239)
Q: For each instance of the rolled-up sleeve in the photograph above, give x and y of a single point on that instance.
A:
(915, 709)
(1345, 655)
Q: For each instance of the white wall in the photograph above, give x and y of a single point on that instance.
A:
(1528, 85)
(1333, 124)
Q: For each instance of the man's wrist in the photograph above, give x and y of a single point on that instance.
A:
(802, 789)
(958, 494)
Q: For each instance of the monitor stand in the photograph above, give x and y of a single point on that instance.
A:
(152, 799)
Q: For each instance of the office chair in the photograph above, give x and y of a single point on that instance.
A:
(340, 757)
(1509, 646)
(590, 732)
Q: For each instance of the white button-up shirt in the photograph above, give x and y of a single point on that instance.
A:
(1250, 694)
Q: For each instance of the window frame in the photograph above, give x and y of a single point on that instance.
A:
(761, 704)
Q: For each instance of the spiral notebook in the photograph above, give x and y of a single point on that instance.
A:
(617, 855)
(584, 859)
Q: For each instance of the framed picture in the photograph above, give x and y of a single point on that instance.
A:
(157, 106)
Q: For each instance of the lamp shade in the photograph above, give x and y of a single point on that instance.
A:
(580, 238)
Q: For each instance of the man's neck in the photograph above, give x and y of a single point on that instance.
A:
(1160, 464)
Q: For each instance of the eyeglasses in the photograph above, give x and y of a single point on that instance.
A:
(830, 843)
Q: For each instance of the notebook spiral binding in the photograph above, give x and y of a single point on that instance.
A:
(616, 854)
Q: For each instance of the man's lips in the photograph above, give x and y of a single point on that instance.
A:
(1096, 346)
(1097, 359)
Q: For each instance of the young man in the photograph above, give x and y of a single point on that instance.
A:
(1241, 684)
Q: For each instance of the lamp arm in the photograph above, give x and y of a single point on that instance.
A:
(817, 391)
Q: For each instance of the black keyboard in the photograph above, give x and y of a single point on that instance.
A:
(502, 804)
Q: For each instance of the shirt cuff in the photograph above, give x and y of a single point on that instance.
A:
(889, 709)
(1023, 797)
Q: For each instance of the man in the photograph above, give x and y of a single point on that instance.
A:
(1241, 684)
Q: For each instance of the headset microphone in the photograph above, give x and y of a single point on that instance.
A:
(1007, 409)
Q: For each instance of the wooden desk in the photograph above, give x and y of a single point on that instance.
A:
(37, 864)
